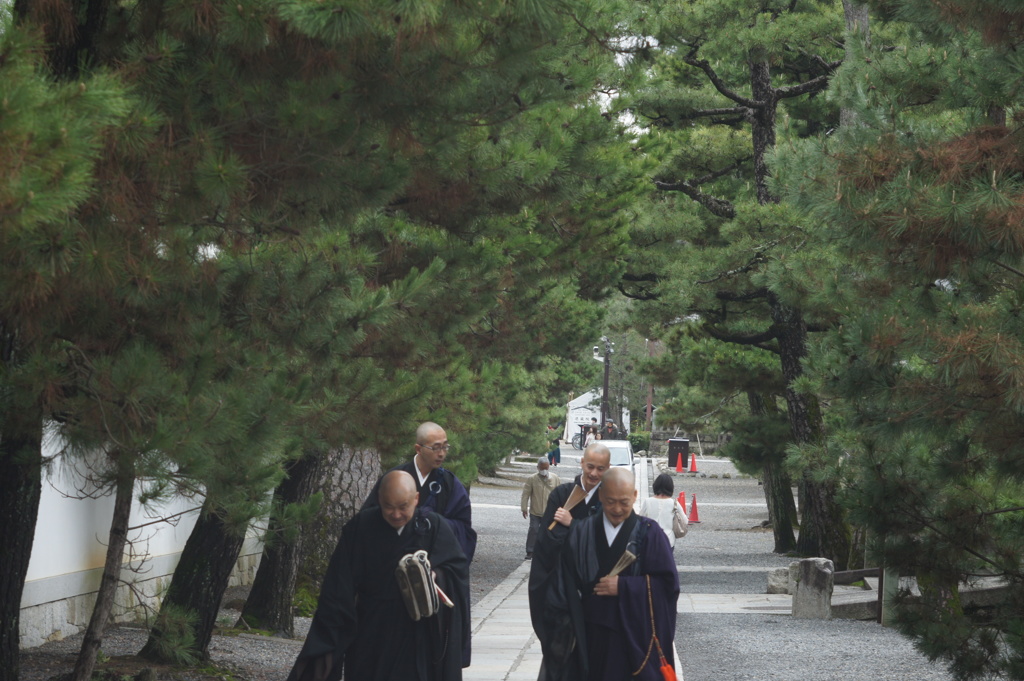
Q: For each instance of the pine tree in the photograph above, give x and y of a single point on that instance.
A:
(52, 136)
(728, 80)
(737, 390)
(257, 128)
(924, 197)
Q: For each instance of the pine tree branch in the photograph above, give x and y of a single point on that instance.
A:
(719, 84)
(608, 44)
(754, 262)
(730, 297)
(811, 86)
(721, 405)
(715, 206)
(755, 339)
(650, 277)
(636, 296)
(725, 111)
(731, 121)
(1009, 268)
(715, 174)
(643, 293)
(1012, 509)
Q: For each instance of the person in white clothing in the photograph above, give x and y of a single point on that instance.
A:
(665, 510)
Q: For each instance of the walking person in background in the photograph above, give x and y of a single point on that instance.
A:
(555, 455)
(535, 499)
(592, 436)
(665, 510)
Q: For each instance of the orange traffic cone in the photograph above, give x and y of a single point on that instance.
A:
(682, 501)
(693, 462)
(679, 462)
(694, 518)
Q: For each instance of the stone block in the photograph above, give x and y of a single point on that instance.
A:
(812, 598)
(778, 581)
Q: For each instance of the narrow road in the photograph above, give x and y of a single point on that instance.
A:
(727, 627)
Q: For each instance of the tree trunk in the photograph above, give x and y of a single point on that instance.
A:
(20, 486)
(823, 529)
(348, 476)
(778, 486)
(996, 115)
(198, 585)
(778, 493)
(124, 487)
(269, 605)
(762, 127)
(857, 28)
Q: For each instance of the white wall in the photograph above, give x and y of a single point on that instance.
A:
(586, 407)
(70, 548)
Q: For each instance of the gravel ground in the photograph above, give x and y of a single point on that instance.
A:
(715, 647)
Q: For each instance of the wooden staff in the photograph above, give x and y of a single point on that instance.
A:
(575, 497)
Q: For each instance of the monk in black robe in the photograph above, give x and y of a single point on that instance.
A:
(441, 492)
(547, 551)
(611, 628)
(361, 624)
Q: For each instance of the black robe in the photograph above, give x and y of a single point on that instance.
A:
(444, 494)
(546, 552)
(609, 638)
(361, 623)
(441, 493)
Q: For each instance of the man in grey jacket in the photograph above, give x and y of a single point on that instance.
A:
(535, 499)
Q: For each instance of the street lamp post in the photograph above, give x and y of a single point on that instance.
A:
(650, 391)
(605, 409)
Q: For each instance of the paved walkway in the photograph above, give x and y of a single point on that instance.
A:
(506, 649)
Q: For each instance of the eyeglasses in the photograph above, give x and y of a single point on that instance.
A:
(438, 447)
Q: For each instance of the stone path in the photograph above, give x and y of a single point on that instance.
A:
(506, 649)
(504, 645)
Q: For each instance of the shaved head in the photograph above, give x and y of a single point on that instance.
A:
(431, 447)
(397, 483)
(596, 460)
(619, 477)
(398, 498)
(596, 451)
(618, 494)
(425, 430)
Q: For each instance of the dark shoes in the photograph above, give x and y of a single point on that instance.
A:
(529, 555)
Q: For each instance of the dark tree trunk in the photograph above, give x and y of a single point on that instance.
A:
(124, 487)
(269, 605)
(198, 584)
(778, 486)
(762, 127)
(778, 493)
(348, 476)
(996, 115)
(20, 486)
(823, 528)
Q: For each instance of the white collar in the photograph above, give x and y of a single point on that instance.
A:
(590, 493)
(422, 478)
(610, 531)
